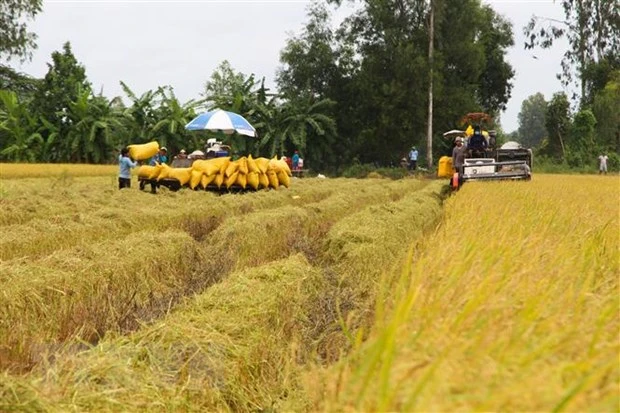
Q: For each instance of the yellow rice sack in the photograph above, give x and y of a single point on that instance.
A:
(243, 165)
(145, 171)
(263, 180)
(252, 179)
(262, 164)
(284, 179)
(143, 151)
(224, 165)
(219, 180)
(280, 165)
(211, 166)
(231, 168)
(164, 172)
(252, 167)
(242, 180)
(195, 179)
(182, 175)
(273, 179)
(206, 180)
(231, 179)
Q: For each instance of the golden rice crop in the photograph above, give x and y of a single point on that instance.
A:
(204, 357)
(219, 354)
(57, 170)
(64, 276)
(512, 305)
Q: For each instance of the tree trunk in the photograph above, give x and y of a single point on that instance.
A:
(429, 131)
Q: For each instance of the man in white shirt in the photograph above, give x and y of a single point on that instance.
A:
(602, 164)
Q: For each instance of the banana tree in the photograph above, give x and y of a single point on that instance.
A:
(18, 130)
(141, 111)
(92, 121)
(172, 117)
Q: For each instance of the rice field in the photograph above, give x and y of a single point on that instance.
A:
(334, 294)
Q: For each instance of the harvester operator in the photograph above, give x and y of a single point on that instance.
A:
(477, 144)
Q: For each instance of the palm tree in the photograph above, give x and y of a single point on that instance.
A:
(291, 124)
(92, 121)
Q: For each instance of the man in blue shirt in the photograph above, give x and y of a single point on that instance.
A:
(413, 158)
(160, 158)
(296, 161)
(125, 166)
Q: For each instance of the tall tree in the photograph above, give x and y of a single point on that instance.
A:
(63, 83)
(15, 39)
(532, 126)
(606, 109)
(558, 123)
(592, 28)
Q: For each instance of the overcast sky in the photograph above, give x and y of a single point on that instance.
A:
(179, 43)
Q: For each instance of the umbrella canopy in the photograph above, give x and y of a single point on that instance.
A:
(227, 122)
(454, 133)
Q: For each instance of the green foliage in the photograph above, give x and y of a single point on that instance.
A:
(64, 81)
(375, 67)
(21, 140)
(583, 131)
(15, 40)
(606, 109)
(532, 120)
(557, 121)
(592, 29)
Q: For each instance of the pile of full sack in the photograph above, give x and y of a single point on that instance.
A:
(245, 173)
(217, 173)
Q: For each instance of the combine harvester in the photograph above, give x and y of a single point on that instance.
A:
(484, 160)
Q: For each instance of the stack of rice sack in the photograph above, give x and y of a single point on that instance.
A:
(246, 172)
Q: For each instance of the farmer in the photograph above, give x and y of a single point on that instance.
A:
(458, 155)
(477, 144)
(160, 158)
(125, 165)
(413, 158)
(295, 161)
(602, 164)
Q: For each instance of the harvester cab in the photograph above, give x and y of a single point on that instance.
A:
(484, 161)
(215, 149)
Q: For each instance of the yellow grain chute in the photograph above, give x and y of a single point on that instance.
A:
(144, 151)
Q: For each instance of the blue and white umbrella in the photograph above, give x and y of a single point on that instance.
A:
(221, 120)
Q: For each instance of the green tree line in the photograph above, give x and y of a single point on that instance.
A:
(352, 94)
